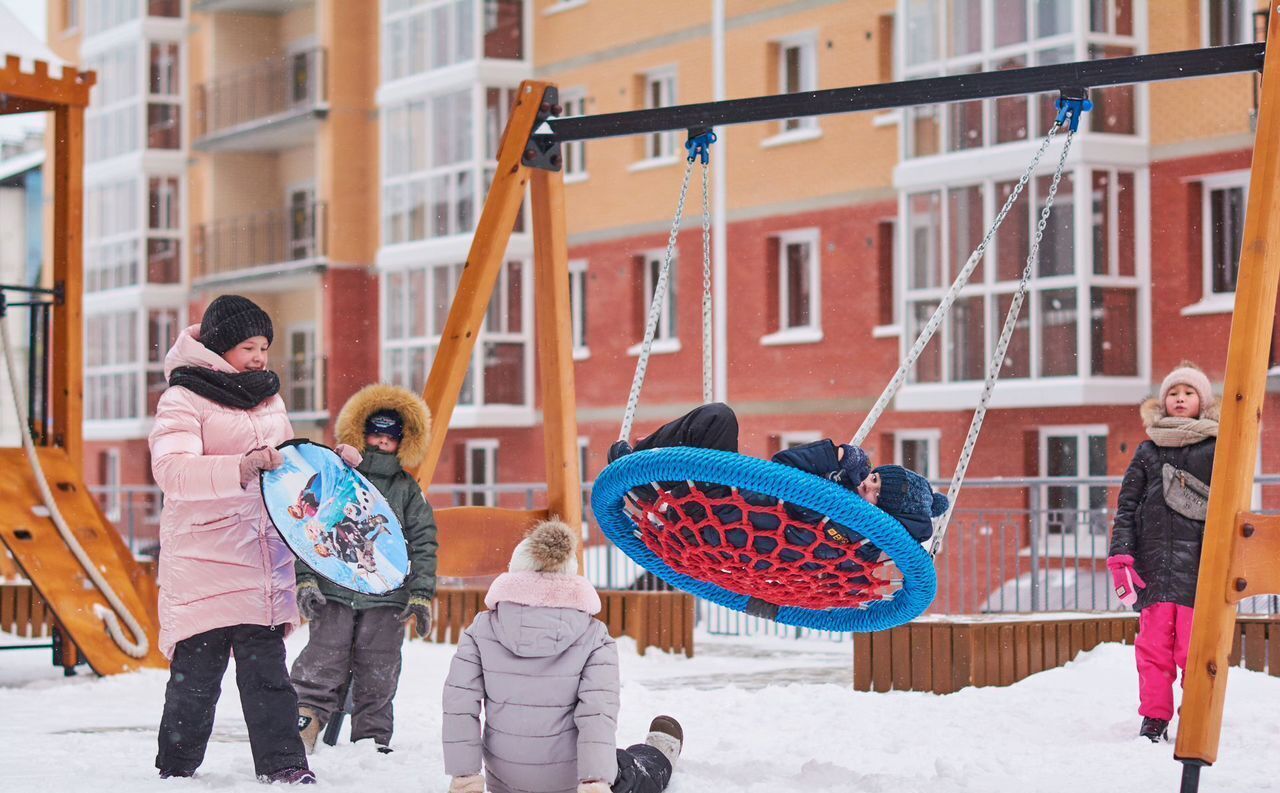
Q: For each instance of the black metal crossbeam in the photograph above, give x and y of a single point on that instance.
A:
(1070, 77)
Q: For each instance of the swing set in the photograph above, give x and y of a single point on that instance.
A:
(776, 541)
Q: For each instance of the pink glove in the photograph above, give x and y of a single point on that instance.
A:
(263, 458)
(1125, 578)
(471, 783)
(349, 455)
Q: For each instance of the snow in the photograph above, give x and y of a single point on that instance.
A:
(761, 715)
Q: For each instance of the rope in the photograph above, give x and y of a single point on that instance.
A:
(940, 312)
(706, 289)
(655, 311)
(997, 359)
(134, 649)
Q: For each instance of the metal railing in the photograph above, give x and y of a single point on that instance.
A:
(1006, 552)
(270, 91)
(272, 237)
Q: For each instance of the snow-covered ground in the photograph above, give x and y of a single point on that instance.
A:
(761, 716)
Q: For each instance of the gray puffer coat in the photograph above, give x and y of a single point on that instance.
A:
(546, 672)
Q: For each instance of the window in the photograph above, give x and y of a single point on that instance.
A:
(659, 90)
(112, 120)
(101, 15)
(164, 103)
(164, 264)
(419, 35)
(70, 14)
(578, 308)
(575, 152)
(584, 459)
(795, 294)
(1096, 286)
(481, 472)
(1227, 22)
(163, 326)
(1222, 230)
(504, 29)
(792, 439)
(917, 450)
(956, 37)
(301, 369)
(797, 65)
(665, 336)
(113, 367)
(416, 304)
(109, 477)
(1075, 518)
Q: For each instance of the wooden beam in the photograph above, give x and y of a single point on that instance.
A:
(479, 274)
(1214, 624)
(555, 348)
(68, 273)
(1253, 569)
(478, 541)
(10, 105)
(71, 90)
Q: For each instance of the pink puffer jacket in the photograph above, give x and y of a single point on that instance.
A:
(221, 561)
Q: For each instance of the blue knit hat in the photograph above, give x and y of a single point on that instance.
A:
(909, 499)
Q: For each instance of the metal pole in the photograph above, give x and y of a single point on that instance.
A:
(1033, 532)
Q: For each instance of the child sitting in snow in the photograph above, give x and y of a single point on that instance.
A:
(905, 495)
(359, 636)
(546, 673)
(1155, 543)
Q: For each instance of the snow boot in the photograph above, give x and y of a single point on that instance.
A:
(667, 736)
(1154, 730)
(309, 726)
(290, 776)
(166, 774)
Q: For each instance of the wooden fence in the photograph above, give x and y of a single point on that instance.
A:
(654, 619)
(23, 612)
(946, 654)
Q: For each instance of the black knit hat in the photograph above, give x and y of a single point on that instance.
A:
(909, 499)
(385, 422)
(229, 320)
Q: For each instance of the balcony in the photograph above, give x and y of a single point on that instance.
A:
(273, 7)
(262, 245)
(273, 105)
(302, 386)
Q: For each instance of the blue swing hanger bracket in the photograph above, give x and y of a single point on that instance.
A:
(699, 145)
(1072, 103)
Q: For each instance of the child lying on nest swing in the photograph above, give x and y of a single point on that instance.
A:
(904, 495)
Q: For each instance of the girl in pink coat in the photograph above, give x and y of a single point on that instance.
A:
(226, 578)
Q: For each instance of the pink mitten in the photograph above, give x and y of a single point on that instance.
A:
(349, 455)
(1126, 579)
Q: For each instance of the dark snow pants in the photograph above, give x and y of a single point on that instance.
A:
(266, 695)
(642, 769)
(712, 426)
(360, 644)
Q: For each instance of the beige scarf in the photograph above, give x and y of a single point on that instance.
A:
(1173, 431)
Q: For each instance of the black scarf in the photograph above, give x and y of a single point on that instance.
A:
(244, 390)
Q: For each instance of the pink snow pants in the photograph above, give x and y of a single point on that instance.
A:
(1164, 633)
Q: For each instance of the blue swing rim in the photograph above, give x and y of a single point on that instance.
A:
(793, 486)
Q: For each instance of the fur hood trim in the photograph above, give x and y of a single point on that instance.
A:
(544, 590)
(380, 396)
(1152, 410)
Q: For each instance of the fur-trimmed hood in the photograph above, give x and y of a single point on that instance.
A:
(414, 414)
(1152, 410)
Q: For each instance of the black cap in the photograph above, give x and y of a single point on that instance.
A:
(385, 422)
(229, 320)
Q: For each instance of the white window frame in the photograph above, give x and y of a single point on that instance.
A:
(659, 148)
(584, 450)
(489, 446)
(933, 437)
(798, 334)
(1212, 302)
(111, 483)
(794, 130)
(1242, 36)
(578, 312)
(574, 152)
(560, 6)
(1087, 543)
(794, 438)
(665, 336)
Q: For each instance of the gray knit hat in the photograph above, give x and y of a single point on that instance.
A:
(229, 320)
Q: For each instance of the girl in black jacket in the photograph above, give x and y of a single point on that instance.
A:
(1155, 543)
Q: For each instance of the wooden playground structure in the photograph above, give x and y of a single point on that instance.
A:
(1241, 555)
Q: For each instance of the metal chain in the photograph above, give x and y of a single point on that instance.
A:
(997, 359)
(706, 289)
(655, 311)
(944, 306)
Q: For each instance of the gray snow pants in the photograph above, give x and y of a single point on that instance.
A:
(363, 644)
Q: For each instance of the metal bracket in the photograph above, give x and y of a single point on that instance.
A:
(543, 150)
(1072, 104)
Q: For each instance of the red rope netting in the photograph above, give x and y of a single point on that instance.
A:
(757, 547)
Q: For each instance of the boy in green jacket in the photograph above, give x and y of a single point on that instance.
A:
(359, 636)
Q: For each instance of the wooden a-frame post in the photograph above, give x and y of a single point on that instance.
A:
(1241, 552)
(479, 539)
